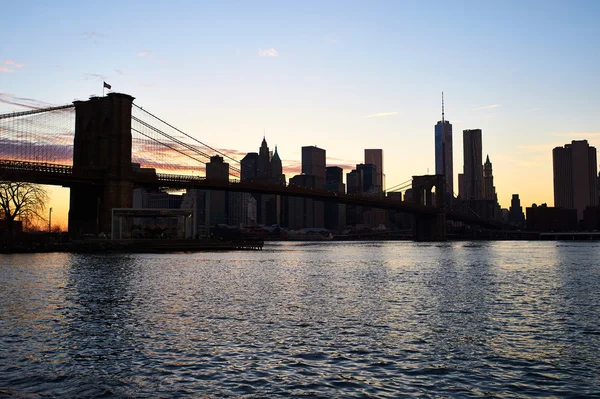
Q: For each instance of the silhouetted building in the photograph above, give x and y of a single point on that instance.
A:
(304, 212)
(543, 218)
(461, 186)
(591, 218)
(334, 175)
(263, 167)
(473, 165)
(217, 201)
(249, 167)
(489, 191)
(375, 157)
(575, 176)
(313, 163)
(515, 213)
(368, 177)
(335, 213)
(353, 182)
(443, 152)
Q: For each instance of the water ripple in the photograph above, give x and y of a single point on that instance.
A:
(381, 320)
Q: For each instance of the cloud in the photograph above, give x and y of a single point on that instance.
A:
(11, 62)
(269, 52)
(486, 107)
(381, 114)
(533, 109)
(5, 69)
(29, 103)
(92, 35)
(93, 76)
(119, 71)
(330, 39)
(537, 148)
(578, 134)
(145, 53)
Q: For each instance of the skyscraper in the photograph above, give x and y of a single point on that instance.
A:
(443, 151)
(489, 191)
(473, 167)
(375, 157)
(575, 171)
(313, 163)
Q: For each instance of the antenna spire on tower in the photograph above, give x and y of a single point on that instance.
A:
(442, 107)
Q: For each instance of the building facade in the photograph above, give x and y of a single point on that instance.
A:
(443, 153)
(375, 157)
(473, 165)
(575, 176)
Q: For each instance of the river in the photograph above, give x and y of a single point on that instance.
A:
(336, 319)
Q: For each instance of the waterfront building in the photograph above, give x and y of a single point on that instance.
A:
(473, 165)
(335, 213)
(304, 212)
(217, 201)
(264, 167)
(515, 213)
(575, 176)
(544, 218)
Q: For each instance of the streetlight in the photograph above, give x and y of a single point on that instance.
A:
(50, 222)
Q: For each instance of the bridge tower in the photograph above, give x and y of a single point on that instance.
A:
(102, 146)
(430, 227)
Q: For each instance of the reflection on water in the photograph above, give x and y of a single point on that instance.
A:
(470, 319)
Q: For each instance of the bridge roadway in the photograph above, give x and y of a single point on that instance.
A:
(64, 175)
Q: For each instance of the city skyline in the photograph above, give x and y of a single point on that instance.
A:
(301, 73)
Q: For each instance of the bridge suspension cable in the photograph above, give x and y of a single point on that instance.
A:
(35, 111)
(235, 169)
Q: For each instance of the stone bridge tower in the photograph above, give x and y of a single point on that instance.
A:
(102, 148)
(430, 227)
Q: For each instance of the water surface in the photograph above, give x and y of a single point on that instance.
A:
(351, 319)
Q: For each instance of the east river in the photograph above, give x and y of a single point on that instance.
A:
(336, 319)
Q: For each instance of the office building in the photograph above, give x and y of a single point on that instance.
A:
(473, 165)
(217, 201)
(264, 167)
(335, 213)
(375, 157)
(515, 213)
(575, 176)
(443, 152)
(313, 163)
(304, 212)
(489, 191)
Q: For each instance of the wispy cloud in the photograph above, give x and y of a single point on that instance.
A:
(145, 53)
(119, 71)
(92, 35)
(381, 114)
(268, 52)
(330, 39)
(29, 103)
(536, 148)
(578, 134)
(93, 76)
(486, 107)
(5, 69)
(533, 109)
(11, 62)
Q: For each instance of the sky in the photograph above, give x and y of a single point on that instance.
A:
(341, 75)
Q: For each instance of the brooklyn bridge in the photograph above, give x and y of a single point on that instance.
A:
(106, 146)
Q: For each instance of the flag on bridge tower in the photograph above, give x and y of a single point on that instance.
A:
(106, 85)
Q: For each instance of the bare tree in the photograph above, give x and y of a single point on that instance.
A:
(22, 201)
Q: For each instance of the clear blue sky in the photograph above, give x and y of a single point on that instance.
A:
(311, 73)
